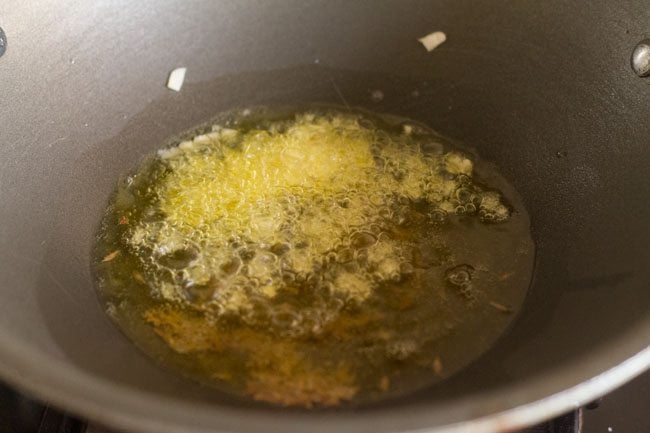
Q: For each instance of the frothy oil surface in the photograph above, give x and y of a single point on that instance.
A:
(313, 259)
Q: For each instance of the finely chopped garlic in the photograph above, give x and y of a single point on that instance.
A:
(252, 212)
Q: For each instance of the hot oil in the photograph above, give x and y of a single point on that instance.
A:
(315, 257)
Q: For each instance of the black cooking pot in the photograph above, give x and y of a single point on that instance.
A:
(542, 89)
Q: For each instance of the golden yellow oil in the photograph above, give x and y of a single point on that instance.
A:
(314, 257)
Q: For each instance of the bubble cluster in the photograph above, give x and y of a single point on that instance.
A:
(460, 277)
(283, 225)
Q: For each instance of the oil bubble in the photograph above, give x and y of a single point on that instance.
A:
(199, 293)
(431, 148)
(460, 276)
(463, 195)
(178, 259)
(363, 240)
(437, 216)
(285, 318)
(232, 266)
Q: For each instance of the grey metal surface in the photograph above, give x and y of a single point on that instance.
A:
(83, 97)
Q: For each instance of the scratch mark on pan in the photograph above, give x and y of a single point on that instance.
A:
(27, 150)
(50, 276)
(338, 92)
(57, 141)
(63, 288)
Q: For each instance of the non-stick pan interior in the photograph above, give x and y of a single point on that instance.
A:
(543, 90)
